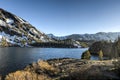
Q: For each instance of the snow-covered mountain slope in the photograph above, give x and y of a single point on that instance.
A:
(16, 30)
(111, 36)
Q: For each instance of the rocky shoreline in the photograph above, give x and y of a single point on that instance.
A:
(67, 69)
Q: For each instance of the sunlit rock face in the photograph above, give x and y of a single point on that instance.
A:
(16, 30)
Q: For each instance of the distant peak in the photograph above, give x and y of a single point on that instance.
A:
(101, 33)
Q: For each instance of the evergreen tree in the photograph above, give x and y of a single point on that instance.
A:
(23, 42)
(4, 42)
(100, 53)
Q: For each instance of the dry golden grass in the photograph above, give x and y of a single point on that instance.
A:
(26, 75)
(84, 70)
(44, 65)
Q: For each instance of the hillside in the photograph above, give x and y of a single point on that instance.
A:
(109, 49)
(16, 31)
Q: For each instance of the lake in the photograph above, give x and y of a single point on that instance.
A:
(14, 58)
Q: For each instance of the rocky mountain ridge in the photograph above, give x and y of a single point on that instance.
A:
(110, 36)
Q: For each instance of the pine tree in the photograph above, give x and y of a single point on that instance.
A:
(23, 42)
(4, 42)
(100, 53)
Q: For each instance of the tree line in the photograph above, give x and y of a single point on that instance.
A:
(105, 48)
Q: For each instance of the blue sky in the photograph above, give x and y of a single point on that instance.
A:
(64, 17)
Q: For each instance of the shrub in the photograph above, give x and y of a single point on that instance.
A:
(86, 55)
(47, 68)
(26, 75)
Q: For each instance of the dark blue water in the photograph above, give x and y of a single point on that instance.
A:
(12, 59)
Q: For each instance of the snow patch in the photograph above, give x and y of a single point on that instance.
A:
(2, 23)
(1, 37)
(9, 21)
(13, 39)
(42, 38)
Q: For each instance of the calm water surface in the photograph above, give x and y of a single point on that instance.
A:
(12, 59)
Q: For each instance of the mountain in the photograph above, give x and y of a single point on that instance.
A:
(16, 30)
(51, 36)
(110, 36)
